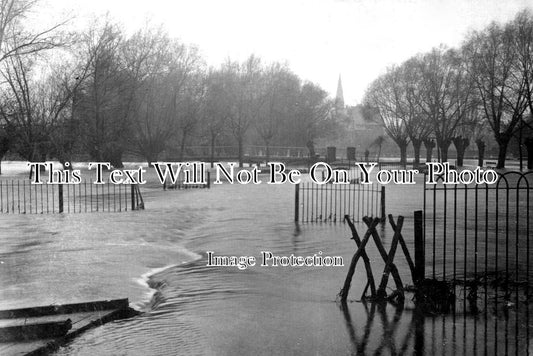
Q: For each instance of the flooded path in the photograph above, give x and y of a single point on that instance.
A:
(157, 258)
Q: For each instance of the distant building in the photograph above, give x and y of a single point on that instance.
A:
(357, 132)
(339, 98)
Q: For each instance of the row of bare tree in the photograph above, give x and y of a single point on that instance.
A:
(103, 93)
(454, 95)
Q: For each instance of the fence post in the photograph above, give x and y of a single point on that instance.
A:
(60, 190)
(208, 180)
(420, 251)
(132, 195)
(296, 202)
(383, 216)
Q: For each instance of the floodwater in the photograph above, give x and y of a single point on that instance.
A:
(157, 259)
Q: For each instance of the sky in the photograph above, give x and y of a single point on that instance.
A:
(318, 39)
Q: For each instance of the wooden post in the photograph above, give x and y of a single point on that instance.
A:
(208, 180)
(132, 195)
(384, 254)
(296, 202)
(405, 249)
(366, 260)
(347, 282)
(420, 253)
(60, 190)
(388, 263)
(383, 216)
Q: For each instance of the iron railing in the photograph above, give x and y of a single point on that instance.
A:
(21, 197)
(480, 234)
(331, 202)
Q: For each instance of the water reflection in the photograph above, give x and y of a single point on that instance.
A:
(389, 329)
(359, 346)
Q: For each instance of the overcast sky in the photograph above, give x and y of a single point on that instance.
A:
(319, 39)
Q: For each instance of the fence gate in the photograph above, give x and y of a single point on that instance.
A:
(480, 235)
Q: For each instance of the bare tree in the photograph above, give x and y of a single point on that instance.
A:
(247, 97)
(159, 68)
(429, 144)
(409, 101)
(281, 90)
(37, 107)
(499, 81)
(523, 43)
(312, 115)
(523, 46)
(20, 108)
(188, 104)
(216, 109)
(446, 90)
(151, 119)
(382, 104)
(56, 101)
(105, 99)
(20, 41)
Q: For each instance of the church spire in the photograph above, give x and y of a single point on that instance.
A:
(339, 98)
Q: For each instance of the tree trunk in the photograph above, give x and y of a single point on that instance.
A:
(429, 145)
(241, 153)
(444, 146)
(151, 157)
(416, 148)
(520, 153)
(30, 158)
(182, 145)
(311, 147)
(213, 139)
(481, 152)
(113, 155)
(529, 147)
(116, 159)
(267, 151)
(4, 148)
(429, 153)
(403, 153)
(460, 144)
(502, 153)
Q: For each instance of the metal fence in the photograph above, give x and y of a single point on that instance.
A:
(21, 197)
(480, 234)
(331, 202)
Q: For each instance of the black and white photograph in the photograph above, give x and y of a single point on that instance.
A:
(253, 177)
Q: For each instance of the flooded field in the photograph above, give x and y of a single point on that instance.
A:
(157, 258)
